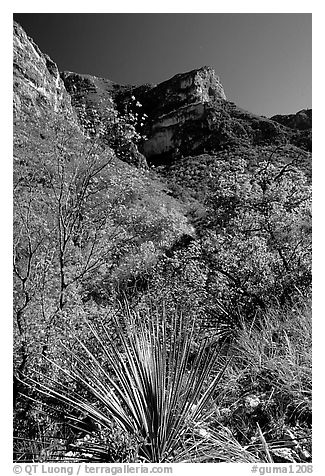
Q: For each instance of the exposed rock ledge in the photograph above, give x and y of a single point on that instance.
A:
(198, 85)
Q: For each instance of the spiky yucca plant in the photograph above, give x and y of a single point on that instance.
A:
(142, 380)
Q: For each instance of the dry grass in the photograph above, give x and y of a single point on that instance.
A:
(268, 384)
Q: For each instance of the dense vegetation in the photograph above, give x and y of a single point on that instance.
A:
(161, 314)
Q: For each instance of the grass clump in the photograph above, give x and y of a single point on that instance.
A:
(268, 384)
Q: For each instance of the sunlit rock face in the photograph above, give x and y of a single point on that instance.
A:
(37, 86)
(200, 85)
(179, 100)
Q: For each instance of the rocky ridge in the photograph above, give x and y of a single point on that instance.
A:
(302, 120)
(186, 115)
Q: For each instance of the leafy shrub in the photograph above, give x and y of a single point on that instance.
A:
(120, 131)
(254, 238)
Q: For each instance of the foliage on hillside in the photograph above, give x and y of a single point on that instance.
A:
(253, 235)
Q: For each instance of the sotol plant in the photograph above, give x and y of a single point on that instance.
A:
(140, 377)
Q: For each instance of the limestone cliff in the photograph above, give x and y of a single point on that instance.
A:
(196, 86)
(37, 86)
(171, 104)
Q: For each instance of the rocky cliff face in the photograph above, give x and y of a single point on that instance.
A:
(197, 86)
(190, 114)
(37, 86)
(181, 100)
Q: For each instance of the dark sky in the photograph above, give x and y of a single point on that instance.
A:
(264, 60)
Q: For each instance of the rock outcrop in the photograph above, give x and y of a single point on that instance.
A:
(183, 99)
(190, 113)
(302, 120)
(37, 86)
(197, 86)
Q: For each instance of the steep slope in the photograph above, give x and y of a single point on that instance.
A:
(301, 123)
(100, 105)
(91, 93)
(52, 149)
